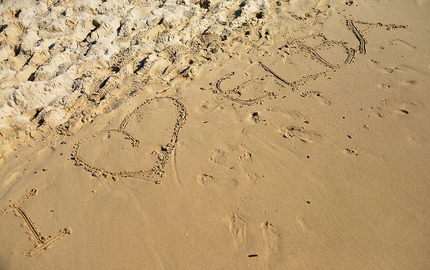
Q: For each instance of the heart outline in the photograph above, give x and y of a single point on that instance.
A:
(158, 169)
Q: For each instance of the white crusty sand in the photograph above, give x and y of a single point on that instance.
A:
(214, 134)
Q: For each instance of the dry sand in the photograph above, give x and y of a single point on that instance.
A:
(215, 134)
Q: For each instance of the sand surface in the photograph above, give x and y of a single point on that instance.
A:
(263, 134)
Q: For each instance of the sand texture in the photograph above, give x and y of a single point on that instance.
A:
(208, 134)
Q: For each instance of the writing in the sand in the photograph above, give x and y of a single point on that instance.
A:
(42, 242)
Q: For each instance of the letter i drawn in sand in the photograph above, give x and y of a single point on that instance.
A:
(42, 242)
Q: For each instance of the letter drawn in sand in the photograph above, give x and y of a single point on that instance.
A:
(342, 55)
(42, 242)
(235, 93)
(359, 34)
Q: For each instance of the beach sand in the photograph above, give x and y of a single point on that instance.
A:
(215, 134)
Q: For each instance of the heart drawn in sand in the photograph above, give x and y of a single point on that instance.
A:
(142, 144)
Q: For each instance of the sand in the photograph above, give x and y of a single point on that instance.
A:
(215, 134)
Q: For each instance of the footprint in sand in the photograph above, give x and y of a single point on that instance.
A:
(206, 180)
(299, 133)
(273, 241)
(389, 108)
(231, 157)
(209, 181)
(210, 105)
(404, 44)
(257, 241)
(394, 107)
(316, 94)
(142, 144)
(12, 179)
(238, 227)
(235, 158)
(391, 69)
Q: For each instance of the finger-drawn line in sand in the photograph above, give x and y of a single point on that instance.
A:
(314, 52)
(163, 157)
(324, 45)
(236, 91)
(266, 68)
(229, 94)
(359, 34)
(42, 242)
(294, 84)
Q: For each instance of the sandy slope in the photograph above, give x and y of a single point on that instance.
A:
(294, 136)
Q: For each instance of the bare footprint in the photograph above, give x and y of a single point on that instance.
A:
(209, 181)
(274, 243)
(316, 94)
(230, 157)
(391, 69)
(301, 223)
(210, 105)
(403, 43)
(11, 179)
(394, 107)
(296, 115)
(238, 227)
(299, 133)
